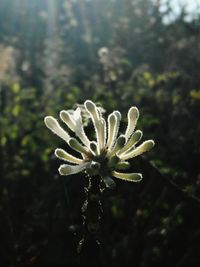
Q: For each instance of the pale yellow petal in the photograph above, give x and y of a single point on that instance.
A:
(144, 147)
(118, 145)
(122, 165)
(62, 154)
(133, 115)
(67, 118)
(113, 128)
(94, 148)
(55, 127)
(74, 122)
(66, 169)
(134, 139)
(96, 119)
(131, 177)
(74, 144)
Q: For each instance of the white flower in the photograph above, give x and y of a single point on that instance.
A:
(103, 54)
(106, 155)
(103, 51)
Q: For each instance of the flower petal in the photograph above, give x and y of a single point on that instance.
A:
(113, 128)
(93, 148)
(66, 169)
(77, 115)
(118, 145)
(55, 127)
(132, 177)
(103, 134)
(133, 115)
(96, 119)
(74, 122)
(92, 109)
(144, 147)
(74, 144)
(62, 154)
(122, 165)
(118, 114)
(111, 125)
(133, 140)
(112, 162)
(67, 118)
(79, 130)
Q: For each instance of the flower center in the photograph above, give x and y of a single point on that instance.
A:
(102, 164)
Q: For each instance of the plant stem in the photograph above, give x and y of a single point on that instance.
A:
(89, 246)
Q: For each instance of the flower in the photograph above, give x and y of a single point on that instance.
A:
(106, 156)
(104, 55)
(103, 51)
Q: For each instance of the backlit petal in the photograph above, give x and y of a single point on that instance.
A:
(67, 118)
(55, 127)
(132, 177)
(74, 144)
(62, 154)
(96, 119)
(133, 140)
(93, 148)
(144, 147)
(122, 165)
(74, 122)
(133, 115)
(113, 128)
(118, 145)
(66, 169)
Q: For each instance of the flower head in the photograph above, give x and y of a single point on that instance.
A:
(109, 153)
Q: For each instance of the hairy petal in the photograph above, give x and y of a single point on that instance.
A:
(68, 119)
(118, 145)
(55, 127)
(113, 128)
(122, 165)
(74, 144)
(74, 122)
(62, 154)
(79, 129)
(112, 162)
(133, 115)
(144, 147)
(94, 148)
(132, 177)
(96, 119)
(118, 114)
(66, 169)
(103, 134)
(134, 139)
(77, 115)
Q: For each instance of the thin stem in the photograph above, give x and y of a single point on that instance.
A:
(92, 214)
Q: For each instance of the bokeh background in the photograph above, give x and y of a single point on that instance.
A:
(54, 54)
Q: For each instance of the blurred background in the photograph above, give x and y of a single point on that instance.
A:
(55, 54)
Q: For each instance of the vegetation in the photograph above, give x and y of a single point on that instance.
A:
(55, 55)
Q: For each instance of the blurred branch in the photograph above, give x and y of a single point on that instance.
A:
(168, 182)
